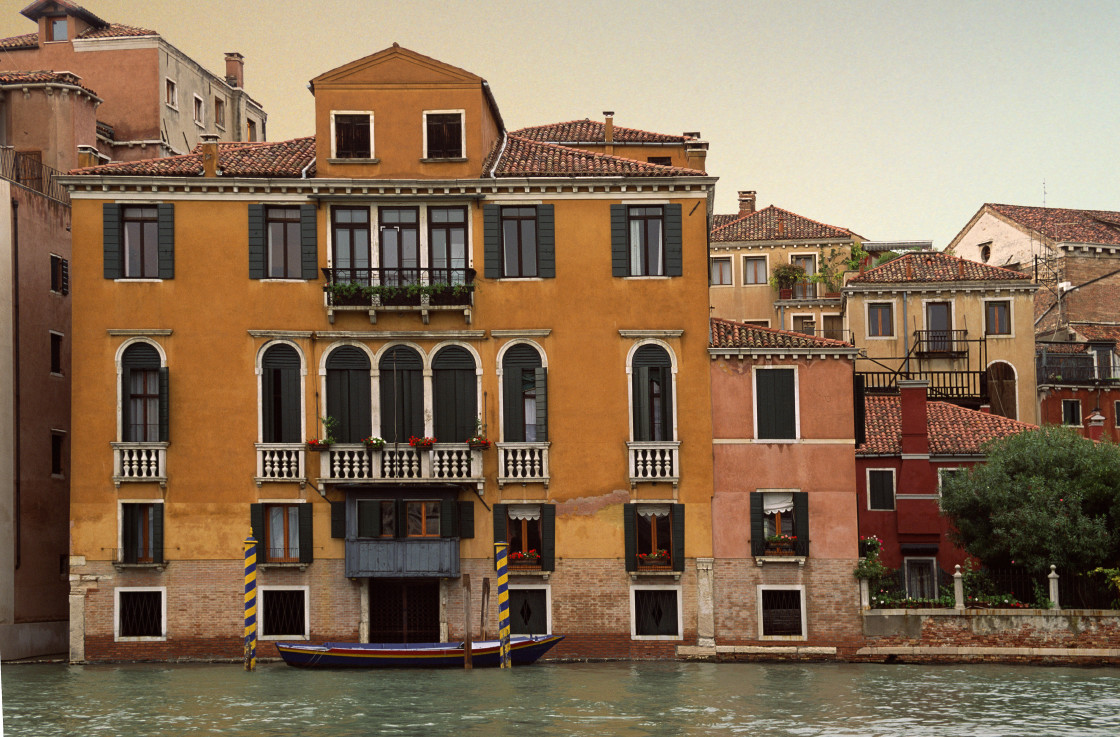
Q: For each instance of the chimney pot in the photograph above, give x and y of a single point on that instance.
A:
(235, 69)
(88, 156)
(1095, 425)
(608, 130)
(986, 408)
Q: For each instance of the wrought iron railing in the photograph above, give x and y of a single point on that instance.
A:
(933, 342)
(1072, 368)
(33, 174)
(942, 384)
(406, 287)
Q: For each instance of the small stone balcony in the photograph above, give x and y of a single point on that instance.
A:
(139, 462)
(523, 463)
(654, 461)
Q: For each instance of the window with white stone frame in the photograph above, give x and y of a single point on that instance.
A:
(530, 609)
(781, 612)
(284, 612)
(140, 613)
(656, 613)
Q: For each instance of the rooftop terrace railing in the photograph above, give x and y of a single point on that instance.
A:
(30, 172)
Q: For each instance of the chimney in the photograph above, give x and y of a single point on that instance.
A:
(88, 156)
(235, 69)
(1095, 425)
(209, 148)
(915, 429)
(608, 130)
(986, 408)
(781, 225)
(696, 154)
(747, 202)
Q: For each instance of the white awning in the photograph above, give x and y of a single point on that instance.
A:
(524, 511)
(654, 510)
(777, 501)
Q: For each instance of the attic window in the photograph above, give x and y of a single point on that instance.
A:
(353, 135)
(443, 135)
(57, 29)
(985, 252)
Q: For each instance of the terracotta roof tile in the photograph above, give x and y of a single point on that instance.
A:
(116, 30)
(952, 430)
(1097, 331)
(719, 221)
(26, 41)
(1059, 347)
(1066, 225)
(42, 77)
(774, 224)
(522, 157)
(593, 131)
(262, 159)
(728, 334)
(934, 266)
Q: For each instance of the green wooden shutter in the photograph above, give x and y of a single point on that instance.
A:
(642, 429)
(289, 405)
(630, 536)
(674, 256)
(257, 263)
(801, 521)
(166, 240)
(309, 241)
(126, 400)
(540, 378)
(548, 537)
(620, 241)
(666, 402)
(774, 394)
(112, 241)
(501, 534)
(491, 242)
(128, 537)
(678, 537)
(306, 533)
(448, 518)
(256, 523)
(513, 411)
(546, 241)
(164, 405)
(466, 520)
(758, 542)
(157, 533)
(455, 395)
(338, 520)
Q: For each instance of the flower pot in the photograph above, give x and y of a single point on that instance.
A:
(317, 447)
(785, 293)
(485, 445)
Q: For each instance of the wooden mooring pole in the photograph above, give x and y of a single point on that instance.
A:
(485, 607)
(467, 644)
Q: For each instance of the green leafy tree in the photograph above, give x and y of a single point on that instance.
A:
(1046, 496)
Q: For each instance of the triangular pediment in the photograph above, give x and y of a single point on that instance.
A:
(36, 10)
(395, 65)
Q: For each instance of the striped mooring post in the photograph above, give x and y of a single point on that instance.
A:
(250, 603)
(500, 549)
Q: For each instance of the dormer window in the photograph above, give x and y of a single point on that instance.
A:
(443, 135)
(353, 135)
(57, 29)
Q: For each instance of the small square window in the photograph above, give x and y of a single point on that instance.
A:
(377, 518)
(921, 577)
(140, 613)
(880, 320)
(56, 353)
(251, 131)
(422, 519)
(141, 533)
(721, 271)
(171, 93)
(656, 613)
(353, 136)
(523, 530)
(444, 133)
(997, 317)
(283, 612)
(529, 610)
(946, 474)
(880, 490)
(1071, 412)
(781, 611)
(281, 536)
(57, 29)
(660, 160)
(754, 270)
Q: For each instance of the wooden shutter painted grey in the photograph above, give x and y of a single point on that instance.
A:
(678, 537)
(338, 519)
(448, 518)
(166, 240)
(401, 518)
(112, 238)
(256, 523)
(774, 395)
(516, 361)
(501, 534)
(128, 537)
(306, 533)
(401, 394)
(546, 241)
(164, 405)
(548, 537)
(491, 242)
(257, 263)
(466, 520)
(674, 256)
(642, 429)
(620, 241)
(540, 378)
(309, 241)
(455, 395)
(801, 521)
(758, 541)
(630, 536)
(348, 393)
(157, 533)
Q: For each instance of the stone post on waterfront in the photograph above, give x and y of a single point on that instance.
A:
(958, 588)
(1054, 587)
(864, 594)
(705, 603)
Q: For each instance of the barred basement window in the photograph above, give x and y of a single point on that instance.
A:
(283, 613)
(656, 613)
(140, 613)
(781, 613)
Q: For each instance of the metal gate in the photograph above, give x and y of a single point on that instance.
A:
(403, 611)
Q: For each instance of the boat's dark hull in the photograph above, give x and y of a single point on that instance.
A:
(523, 651)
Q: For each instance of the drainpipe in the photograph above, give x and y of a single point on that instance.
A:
(905, 336)
(16, 515)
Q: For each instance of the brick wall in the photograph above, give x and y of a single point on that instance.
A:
(1095, 302)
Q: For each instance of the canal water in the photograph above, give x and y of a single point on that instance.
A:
(624, 699)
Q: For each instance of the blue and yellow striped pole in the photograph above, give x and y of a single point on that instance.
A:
(250, 603)
(503, 603)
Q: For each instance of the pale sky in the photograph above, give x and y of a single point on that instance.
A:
(897, 119)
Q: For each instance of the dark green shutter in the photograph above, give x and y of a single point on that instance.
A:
(546, 241)
(774, 393)
(678, 537)
(290, 405)
(801, 521)
(401, 394)
(256, 523)
(642, 429)
(514, 409)
(448, 518)
(157, 533)
(630, 536)
(548, 537)
(369, 517)
(674, 256)
(620, 241)
(491, 242)
(164, 405)
(348, 393)
(758, 542)
(306, 533)
(501, 534)
(128, 537)
(257, 265)
(540, 378)
(309, 241)
(455, 395)
(338, 519)
(166, 240)
(112, 240)
(126, 400)
(466, 520)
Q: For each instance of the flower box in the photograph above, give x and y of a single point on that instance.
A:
(317, 446)
(373, 443)
(479, 444)
(421, 443)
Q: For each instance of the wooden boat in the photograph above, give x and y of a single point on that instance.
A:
(524, 650)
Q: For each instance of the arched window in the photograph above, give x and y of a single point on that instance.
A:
(1001, 389)
(455, 394)
(348, 393)
(402, 394)
(144, 395)
(280, 395)
(653, 394)
(524, 395)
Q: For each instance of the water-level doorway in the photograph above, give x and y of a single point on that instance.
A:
(403, 611)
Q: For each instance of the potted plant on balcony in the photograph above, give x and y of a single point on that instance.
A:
(780, 544)
(784, 277)
(659, 557)
(373, 443)
(324, 442)
(478, 441)
(525, 558)
(348, 293)
(424, 443)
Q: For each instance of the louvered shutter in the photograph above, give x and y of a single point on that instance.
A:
(256, 523)
(758, 535)
(540, 378)
(448, 518)
(620, 240)
(369, 518)
(500, 532)
(630, 536)
(166, 240)
(164, 405)
(257, 262)
(491, 242)
(678, 537)
(338, 519)
(674, 256)
(774, 394)
(65, 269)
(858, 398)
(112, 239)
(157, 533)
(513, 406)
(128, 533)
(546, 241)
(309, 241)
(466, 520)
(548, 537)
(642, 429)
(306, 532)
(801, 521)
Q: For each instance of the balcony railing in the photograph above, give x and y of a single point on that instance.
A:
(32, 173)
(281, 462)
(523, 463)
(941, 342)
(399, 290)
(654, 461)
(403, 558)
(139, 462)
(355, 463)
(1072, 368)
(949, 385)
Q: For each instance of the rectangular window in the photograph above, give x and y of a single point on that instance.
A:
(660, 160)
(447, 244)
(655, 612)
(143, 405)
(251, 131)
(805, 289)
(529, 610)
(775, 404)
(198, 110)
(779, 522)
(1116, 412)
(523, 530)
(781, 611)
(350, 236)
(282, 224)
(519, 242)
(399, 242)
(754, 270)
(880, 320)
(281, 541)
(219, 112)
(140, 532)
(654, 535)
(805, 324)
(880, 489)
(422, 519)
(57, 29)
(140, 613)
(921, 577)
(833, 327)
(946, 474)
(647, 252)
(721, 271)
(56, 353)
(1071, 412)
(56, 453)
(997, 317)
(141, 242)
(377, 518)
(60, 275)
(283, 612)
(444, 133)
(353, 137)
(171, 93)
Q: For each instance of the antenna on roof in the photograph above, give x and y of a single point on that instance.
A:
(1044, 193)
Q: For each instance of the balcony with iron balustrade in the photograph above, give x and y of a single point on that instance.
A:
(424, 290)
(139, 462)
(654, 461)
(354, 463)
(523, 463)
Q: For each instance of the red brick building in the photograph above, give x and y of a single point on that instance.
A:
(1079, 379)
